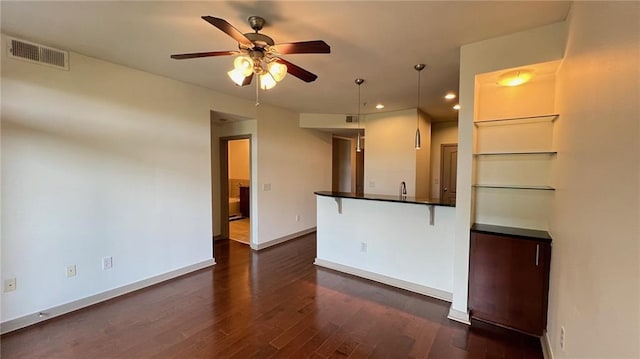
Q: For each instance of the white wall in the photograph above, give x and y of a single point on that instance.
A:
(239, 167)
(595, 285)
(325, 121)
(294, 163)
(101, 160)
(390, 155)
(534, 46)
(441, 133)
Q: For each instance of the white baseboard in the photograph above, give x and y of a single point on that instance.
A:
(30, 319)
(394, 282)
(459, 316)
(546, 346)
(273, 242)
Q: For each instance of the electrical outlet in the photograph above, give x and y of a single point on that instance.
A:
(372, 184)
(71, 270)
(107, 263)
(266, 187)
(9, 285)
(298, 218)
(562, 337)
(363, 247)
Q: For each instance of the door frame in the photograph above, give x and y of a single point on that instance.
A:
(224, 183)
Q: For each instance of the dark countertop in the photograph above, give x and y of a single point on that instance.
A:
(382, 197)
(521, 233)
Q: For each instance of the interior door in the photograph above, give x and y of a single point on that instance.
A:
(448, 173)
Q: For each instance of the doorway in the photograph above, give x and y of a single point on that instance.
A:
(235, 188)
(448, 173)
(347, 166)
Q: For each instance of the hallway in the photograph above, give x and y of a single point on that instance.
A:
(239, 230)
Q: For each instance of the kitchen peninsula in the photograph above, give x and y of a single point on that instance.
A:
(401, 241)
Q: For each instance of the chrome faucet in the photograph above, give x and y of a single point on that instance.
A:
(403, 189)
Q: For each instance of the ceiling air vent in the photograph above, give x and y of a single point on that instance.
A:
(32, 52)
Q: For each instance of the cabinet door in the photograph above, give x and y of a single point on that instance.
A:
(508, 281)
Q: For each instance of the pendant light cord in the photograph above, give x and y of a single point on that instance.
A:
(258, 91)
(358, 145)
(359, 108)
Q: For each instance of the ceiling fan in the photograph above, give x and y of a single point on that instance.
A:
(259, 55)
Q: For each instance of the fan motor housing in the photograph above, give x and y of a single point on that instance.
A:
(260, 40)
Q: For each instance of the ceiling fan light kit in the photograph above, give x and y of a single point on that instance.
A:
(259, 55)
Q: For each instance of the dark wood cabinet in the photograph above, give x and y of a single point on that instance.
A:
(509, 277)
(244, 201)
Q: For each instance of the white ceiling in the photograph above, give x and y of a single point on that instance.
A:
(379, 41)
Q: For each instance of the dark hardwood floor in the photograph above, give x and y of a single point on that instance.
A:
(269, 304)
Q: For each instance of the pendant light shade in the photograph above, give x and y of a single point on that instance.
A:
(419, 68)
(358, 138)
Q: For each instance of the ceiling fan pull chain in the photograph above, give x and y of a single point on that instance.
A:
(258, 91)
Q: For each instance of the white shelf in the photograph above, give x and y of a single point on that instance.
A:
(524, 153)
(508, 186)
(517, 120)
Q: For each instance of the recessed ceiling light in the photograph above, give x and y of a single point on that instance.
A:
(515, 78)
(456, 107)
(379, 106)
(450, 96)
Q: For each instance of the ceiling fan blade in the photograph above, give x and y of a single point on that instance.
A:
(203, 54)
(229, 30)
(298, 71)
(247, 80)
(304, 47)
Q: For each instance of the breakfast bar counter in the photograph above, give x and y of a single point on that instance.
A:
(401, 241)
(382, 197)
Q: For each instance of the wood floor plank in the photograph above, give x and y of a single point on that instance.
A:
(269, 304)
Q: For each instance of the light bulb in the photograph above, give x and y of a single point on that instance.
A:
(515, 78)
(267, 81)
(244, 65)
(277, 70)
(236, 76)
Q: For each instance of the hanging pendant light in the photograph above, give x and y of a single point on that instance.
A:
(419, 68)
(358, 139)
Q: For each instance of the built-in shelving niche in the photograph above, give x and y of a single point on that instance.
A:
(514, 151)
